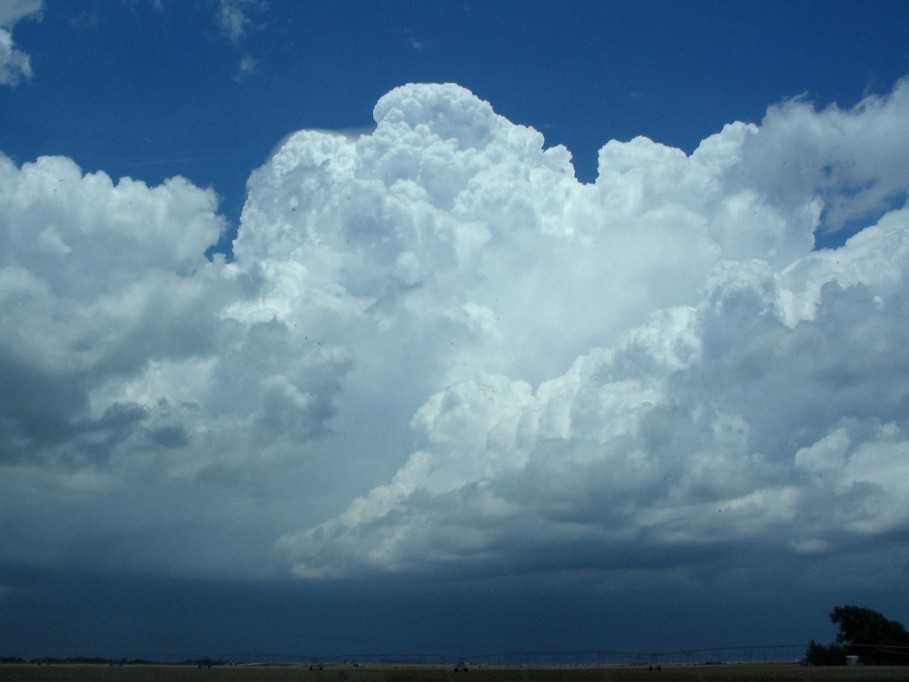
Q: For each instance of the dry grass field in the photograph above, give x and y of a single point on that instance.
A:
(428, 673)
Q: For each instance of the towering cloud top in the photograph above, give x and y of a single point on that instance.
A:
(447, 112)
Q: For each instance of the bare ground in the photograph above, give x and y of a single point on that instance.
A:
(428, 673)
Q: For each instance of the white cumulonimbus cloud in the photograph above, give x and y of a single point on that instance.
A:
(511, 370)
(15, 64)
(725, 383)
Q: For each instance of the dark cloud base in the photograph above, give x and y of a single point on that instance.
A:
(66, 613)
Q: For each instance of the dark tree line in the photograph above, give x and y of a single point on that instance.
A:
(865, 633)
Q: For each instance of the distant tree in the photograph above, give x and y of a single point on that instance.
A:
(870, 635)
(818, 654)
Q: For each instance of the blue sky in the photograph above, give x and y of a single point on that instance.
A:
(552, 349)
(151, 91)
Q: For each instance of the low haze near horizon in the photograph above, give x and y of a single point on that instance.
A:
(450, 328)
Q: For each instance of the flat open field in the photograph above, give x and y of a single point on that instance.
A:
(428, 673)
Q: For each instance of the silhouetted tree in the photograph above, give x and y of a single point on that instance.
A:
(818, 654)
(870, 635)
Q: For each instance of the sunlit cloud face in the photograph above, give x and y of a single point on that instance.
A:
(653, 363)
(496, 368)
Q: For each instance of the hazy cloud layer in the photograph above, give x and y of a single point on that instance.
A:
(437, 352)
(15, 64)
